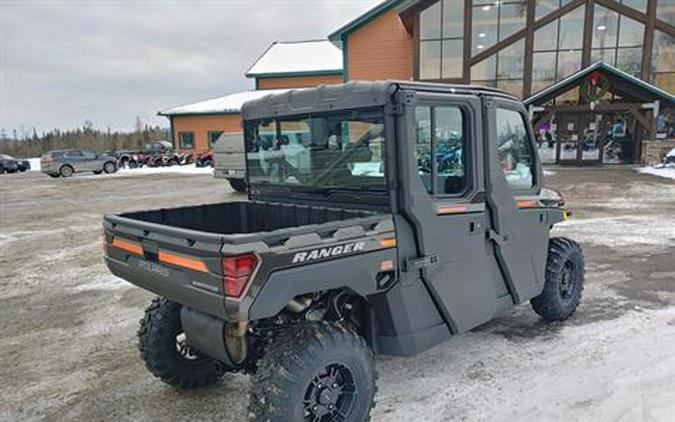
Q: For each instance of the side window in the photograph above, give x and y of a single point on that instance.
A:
(213, 137)
(449, 151)
(423, 145)
(514, 149)
(186, 140)
(440, 149)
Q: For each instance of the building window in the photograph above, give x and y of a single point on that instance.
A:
(557, 46)
(494, 21)
(213, 137)
(640, 5)
(617, 40)
(663, 61)
(665, 10)
(504, 70)
(544, 7)
(441, 45)
(440, 149)
(186, 140)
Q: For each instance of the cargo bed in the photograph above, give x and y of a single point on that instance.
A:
(177, 253)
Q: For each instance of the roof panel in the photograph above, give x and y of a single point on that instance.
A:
(298, 58)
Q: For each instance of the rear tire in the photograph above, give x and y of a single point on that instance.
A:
(54, 176)
(324, 372)
(238, 184)
(66, 171)
(165, 351)
(564, 281)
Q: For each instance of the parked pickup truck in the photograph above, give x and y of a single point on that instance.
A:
(229, 161)
(413, 212)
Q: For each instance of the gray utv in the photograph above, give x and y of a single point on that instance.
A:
(403, 214)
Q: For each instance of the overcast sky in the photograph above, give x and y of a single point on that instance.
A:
(64, 62)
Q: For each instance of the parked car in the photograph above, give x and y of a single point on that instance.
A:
(8, 164)
(229, 161)
(24, 165)
(65, 163)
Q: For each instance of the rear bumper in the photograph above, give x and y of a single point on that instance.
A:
(173, 284)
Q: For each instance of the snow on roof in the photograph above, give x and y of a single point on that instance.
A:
(298, 58)
(228, 104)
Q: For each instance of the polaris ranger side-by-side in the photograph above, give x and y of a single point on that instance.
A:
(406, 213)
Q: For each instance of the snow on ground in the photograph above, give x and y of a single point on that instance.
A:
(144, 171)
(667, 171)
(643, 232)
(566, 373)
(189, 169)
(34, 164)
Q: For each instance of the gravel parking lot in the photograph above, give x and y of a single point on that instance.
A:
(68, 346)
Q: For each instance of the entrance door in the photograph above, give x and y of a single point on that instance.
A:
(519, 229)
(568, 138)
(444, 201)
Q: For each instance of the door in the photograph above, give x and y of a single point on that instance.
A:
(90, 161)
(440, 169)
(568, 138)
(519, 229)
(75, 159)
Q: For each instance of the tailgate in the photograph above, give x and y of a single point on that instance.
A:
(181, 265)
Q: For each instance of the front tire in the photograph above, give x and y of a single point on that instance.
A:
(165, 351)
(322, 373)
(564, 281)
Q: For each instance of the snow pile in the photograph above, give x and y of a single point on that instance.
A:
(187, 169)
(667, 171)
(34, 164)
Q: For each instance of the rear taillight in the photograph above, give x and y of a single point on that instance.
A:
(237, 272)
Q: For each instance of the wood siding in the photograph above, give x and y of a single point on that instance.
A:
(382, 49)
(298, 81)
(201, 125)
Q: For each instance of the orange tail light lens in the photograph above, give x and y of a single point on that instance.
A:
(237, 272)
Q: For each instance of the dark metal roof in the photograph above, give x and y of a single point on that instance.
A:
(355, 94)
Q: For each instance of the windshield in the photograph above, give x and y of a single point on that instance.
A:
(343, 149)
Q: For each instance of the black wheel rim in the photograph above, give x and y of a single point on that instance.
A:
(568, 281)
(331, 395)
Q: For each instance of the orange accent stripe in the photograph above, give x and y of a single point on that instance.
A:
(452, 210)
(182, 261)
(388, 243)
(128, 246)
(530, 203)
